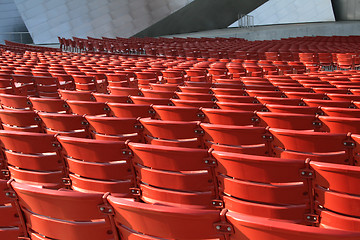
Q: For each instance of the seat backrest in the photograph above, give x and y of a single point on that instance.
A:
(63, 214)
(164, 222)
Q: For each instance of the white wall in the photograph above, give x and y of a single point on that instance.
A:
(292, 11)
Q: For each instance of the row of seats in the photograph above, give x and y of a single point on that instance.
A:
(52, 214)
(286, 189)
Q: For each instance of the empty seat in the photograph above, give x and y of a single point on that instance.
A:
(318, 146)
(173, 176)
(113, 128)
(251, 227)
(88, 108)
(241, 106)
(340, 124)
(239, 139)
(341, 112)
(253, 185)
(289, 121)
(236, 99)
(280, 101)
(126, 110)
(157, 94)
(53, 214)
(163, 221)
(305, 95)
(9, 222)
(192, 103)
(195, 96)
(125, 91)
(336, 195)
(16, 120)
(15, 102)
(76, 95)
(293, 109)
(49, 105)
(98, 166)
(149, 101)
(175, 113)
(230, 117)
(327, 103)
(105, 98)
(65, 124)
(172, 133)
(33, 158)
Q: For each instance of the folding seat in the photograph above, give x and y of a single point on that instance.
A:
(252, 227)
(127, 110)
(49, 105)
(253, 185)
(76, 95)
(33, 158)
(228, 85)
(66, 80)
(279, 108)
(294, 89)
(149, 100)
(48, 86)
(173, 176)
(292, 121)
(14, 102)
(7, 86)
(343, 97)
(280, 101)
(260, 93)
(195, 96)
(117, 79)
(88, 108)
(65, 124)
(318, 146)
(125, 91)
(236, 99)
(241, 106)
(98, 166)
(230, 117)
(89, 83)
(61, 214)
(164, 87)
(192, 103)
(157, 94)
(340, 124)
(335, 197)
(172, 133)
(114, 128)
(163, 222)
(201, 90)
(108, 98)
(175, 113)
(17, 120)
(228, 91)
(330, 90)
(239, 139)
(9, 223)
(260, 87)
(327, 103)
(305, 95)
(341, 112)
(25, 81)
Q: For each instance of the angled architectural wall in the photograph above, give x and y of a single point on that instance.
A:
(294, 11)
(47, 19)
(202, 15)
(10, 22)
